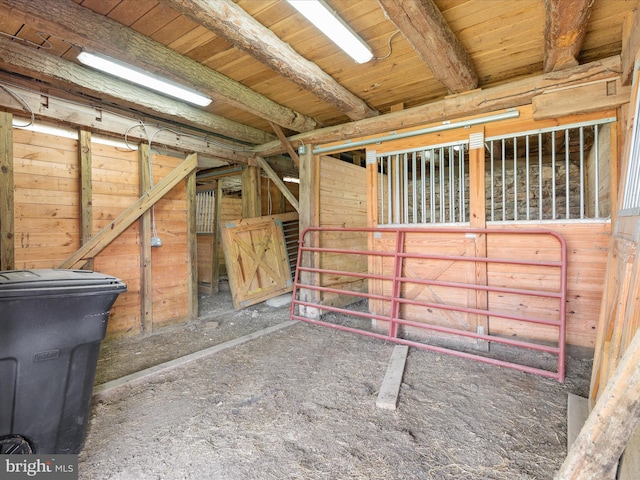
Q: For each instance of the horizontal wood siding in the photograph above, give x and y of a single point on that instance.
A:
(170, 262)
(46, 199)
(587, 251)
(48, 217)
(115, 184)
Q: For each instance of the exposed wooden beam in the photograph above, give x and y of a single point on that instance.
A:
(113, 121)
(234, 24)
(46, 67)
(427, 31)
(565, 28)
(285, 143)
(7, 240)
(630, 45)
(111, 231)
(67, 19)
(606, 432)
(510, 95)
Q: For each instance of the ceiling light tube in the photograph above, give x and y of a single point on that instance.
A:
(145, 79)
(326, 20)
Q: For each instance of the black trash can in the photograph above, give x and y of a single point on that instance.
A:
(51, 325)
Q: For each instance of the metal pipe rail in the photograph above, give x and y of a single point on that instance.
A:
(304, 299)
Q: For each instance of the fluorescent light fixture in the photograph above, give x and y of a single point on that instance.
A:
(51, 130)
(326, 20)
(146, 79)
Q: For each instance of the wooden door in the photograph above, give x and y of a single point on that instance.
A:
(256, 260)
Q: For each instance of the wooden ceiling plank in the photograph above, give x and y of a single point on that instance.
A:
(69, 20)
(565, 29)
(427, 31)
(231, 22)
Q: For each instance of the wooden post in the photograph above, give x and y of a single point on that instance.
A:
(251, 205)
(309, 217)
(7, 246)
(215, 261)
(605, 434)
(86, 189)
(192, 245)
(477, 219)
(146, 276)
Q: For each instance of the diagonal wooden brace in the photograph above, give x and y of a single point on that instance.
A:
(109, 233)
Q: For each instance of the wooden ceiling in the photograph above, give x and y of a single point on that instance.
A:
(267, 68)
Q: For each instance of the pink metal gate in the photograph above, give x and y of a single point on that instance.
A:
(313, 281)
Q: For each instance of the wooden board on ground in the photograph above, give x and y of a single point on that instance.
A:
(390, 389)
(256, 259)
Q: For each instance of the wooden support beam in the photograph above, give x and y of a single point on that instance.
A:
(285, 143)
(146, 275)
(79, 25)
(477, 102)
(192, 245)
(477, 217)
(215, 261)
(429, 34)
(309, 217)
(109, 233)
(592, 97)
(7, 212)
(116, 122)
(86, 189)
(597, 449)
(565, 28)
(630, 46)
(279, 183)
(231, 22)
(251, 204)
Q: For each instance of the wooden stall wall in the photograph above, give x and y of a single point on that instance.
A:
(115, 179)
(170, 262)
(587, 241)
(342, 202)
(48, 219)
(46, 199)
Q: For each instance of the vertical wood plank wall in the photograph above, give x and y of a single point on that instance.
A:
(48, 222)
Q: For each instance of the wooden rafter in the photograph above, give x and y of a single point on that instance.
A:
(427, 31)
(566, 26)
(66, 19)
(234, 24)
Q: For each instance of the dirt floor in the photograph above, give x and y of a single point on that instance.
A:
(300, 403)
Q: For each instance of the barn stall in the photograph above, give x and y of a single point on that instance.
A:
(476, 213)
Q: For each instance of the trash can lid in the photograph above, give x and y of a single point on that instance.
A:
(38, 281)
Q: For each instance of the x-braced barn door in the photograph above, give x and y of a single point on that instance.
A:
(256, 260)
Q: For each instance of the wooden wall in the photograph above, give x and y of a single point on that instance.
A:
(342, 202)
(587, 242)
(47, 221)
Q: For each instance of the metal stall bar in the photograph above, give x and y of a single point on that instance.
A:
(396, 277)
